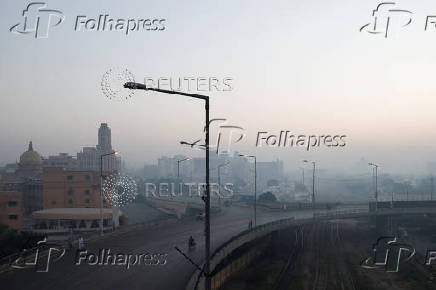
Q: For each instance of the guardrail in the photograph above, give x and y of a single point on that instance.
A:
(380, 211)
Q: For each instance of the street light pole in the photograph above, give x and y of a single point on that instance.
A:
(375, 166)
(313, 181)
(219, 182)
(255, 185)
(101, 189)
(138, 86)
(178, 165)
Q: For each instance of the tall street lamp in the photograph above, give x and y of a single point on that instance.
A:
(101, 188)
(138, 86)
(375, 167)
(178, 165)
(255, 185)
(313, 179)
(219, 181)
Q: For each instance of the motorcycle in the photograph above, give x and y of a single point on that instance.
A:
(191, 245)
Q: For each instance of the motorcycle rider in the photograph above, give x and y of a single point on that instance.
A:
(191, 242)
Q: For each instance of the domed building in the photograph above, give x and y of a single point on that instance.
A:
(30, 163)
(23, 190)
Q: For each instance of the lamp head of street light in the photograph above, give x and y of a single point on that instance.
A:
(306, 161)
(241, 155)
(135, 86)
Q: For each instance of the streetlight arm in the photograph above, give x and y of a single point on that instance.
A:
(139, 86)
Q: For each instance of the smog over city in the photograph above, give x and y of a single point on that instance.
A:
(230, 145)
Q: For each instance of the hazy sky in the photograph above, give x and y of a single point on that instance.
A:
(300, 65)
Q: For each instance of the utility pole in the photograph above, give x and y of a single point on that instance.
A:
(313, 184)
(375, 168)
(313, 181)
(139, 86)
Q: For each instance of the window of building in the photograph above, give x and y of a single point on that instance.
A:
(70, 201)
(12, 203)
(13, 217)
(87, 200)
(53, 202)
(87, 177)
(87, 191)
(70, 191)
(70, 177)
(94, 224)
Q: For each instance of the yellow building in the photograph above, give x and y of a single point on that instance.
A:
(70, 189)
(11, 209)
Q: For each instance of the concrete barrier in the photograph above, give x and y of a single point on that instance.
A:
(197, 279)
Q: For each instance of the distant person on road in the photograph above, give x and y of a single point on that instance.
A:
(191, 243)
(81, 243)
(250, 224)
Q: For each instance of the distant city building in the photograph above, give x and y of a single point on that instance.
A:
(269, 171)
(62, 160)
(70, 188)
(151, 171)
(30, 165)
(11, 209)
(104, 138)
(89, 158)
(167, 167)
(21, 191)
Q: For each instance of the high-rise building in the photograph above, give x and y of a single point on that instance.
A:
(104, 138)
(89, 158)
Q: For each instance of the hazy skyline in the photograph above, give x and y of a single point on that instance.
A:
(301, 66)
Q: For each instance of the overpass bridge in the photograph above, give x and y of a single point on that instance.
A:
(222, 253)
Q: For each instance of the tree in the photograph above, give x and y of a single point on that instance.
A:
(267, 196)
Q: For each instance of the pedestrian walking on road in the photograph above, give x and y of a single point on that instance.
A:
(81, 243)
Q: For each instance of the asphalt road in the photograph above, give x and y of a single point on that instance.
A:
(64, 274)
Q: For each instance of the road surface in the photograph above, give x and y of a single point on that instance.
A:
(64, 274)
